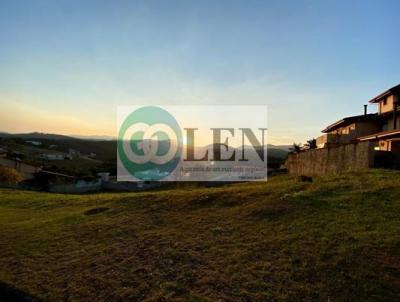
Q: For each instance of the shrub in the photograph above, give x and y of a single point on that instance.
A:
(296, 148)
(9, 176)
(311, 144)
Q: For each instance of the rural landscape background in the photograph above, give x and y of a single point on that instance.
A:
(84, 157)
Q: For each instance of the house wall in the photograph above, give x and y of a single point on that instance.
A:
(382, 107)
(322, 141)
(388, 124)
(384, 145)
(366, 128)
(349, 133)
(389, 145)
(28, 171)
(350, 157)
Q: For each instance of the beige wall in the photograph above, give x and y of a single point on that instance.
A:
(384, 145)
(329, 138)
(389, 145)
(347, 134)
(322, 141)
(382, 107)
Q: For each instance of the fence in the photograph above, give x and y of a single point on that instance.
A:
(349, 157)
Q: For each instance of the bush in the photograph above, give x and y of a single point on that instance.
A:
(9, 176)
(311, 144)
(296, 148)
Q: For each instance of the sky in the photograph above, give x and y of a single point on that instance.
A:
(65, 66)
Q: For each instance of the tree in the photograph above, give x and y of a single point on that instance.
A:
(9, 176)
(311, 144)
(296, 148)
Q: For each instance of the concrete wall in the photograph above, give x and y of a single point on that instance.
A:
(350, 157)
(79, 187)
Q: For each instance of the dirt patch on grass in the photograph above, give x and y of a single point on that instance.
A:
(270, 212)
(204, 200)
(96, 211)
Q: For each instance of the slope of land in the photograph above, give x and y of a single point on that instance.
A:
(335, 239)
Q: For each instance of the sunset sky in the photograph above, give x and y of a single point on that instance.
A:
(65, 66)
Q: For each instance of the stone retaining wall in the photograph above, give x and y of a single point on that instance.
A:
(349, 157)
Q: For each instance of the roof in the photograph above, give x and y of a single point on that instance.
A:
(349, 120)
(383, 134)
(394, 89)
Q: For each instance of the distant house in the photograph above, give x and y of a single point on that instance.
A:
(104, 176)
(35, 143)
(73, 152)
(52, 156)
(27, 170)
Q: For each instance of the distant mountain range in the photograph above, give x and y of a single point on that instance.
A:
(51, 136)
(105, 147)
(40, 135)
(95, 137)
(35, 135)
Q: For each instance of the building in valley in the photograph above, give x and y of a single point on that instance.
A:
(28, 171)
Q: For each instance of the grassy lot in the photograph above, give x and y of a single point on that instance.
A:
(336, 239)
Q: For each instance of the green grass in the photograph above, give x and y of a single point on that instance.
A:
(336, 239)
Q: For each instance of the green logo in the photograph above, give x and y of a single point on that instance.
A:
(150, 143)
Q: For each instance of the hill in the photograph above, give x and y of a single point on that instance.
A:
(335, 239)
(35, 135)
(105, 150)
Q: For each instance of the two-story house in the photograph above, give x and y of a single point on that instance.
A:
(388, 138)
(381, 128)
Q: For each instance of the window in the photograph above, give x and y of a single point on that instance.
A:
(384, 102)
